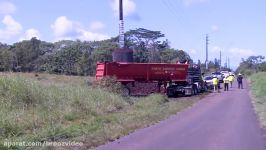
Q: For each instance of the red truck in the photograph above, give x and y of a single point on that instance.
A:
(175, 77)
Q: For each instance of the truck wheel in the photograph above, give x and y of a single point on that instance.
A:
(196, 91)
(170, 93)
(125, 91)
(192, 91)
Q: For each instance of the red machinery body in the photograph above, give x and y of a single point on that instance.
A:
(130, 72)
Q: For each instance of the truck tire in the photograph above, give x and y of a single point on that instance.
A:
(194, 90)
(170, 93)
(125, 91)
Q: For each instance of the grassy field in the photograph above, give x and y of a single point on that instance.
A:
(258, 82)
(43, 107)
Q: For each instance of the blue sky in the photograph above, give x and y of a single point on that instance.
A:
(236, 27)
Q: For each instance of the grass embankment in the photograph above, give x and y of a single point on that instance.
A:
(258, 84)
(44, 108)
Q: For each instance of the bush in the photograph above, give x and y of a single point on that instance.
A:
(110, 84)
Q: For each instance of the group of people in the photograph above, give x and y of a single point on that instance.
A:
(229, 79)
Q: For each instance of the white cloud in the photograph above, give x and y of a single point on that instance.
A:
(215, 49)
(214, 28)
(96, 25)
(236, 54)
(129, 7)
(66, 29)
(90, 36)
(30, 33)
(241, 53)
(62, 26)
(191, 2)
(193, 52)
(12, 28)
(7, 8)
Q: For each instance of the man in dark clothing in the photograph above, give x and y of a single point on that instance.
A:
(239, 81)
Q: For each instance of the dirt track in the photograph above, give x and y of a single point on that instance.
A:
(221, 121)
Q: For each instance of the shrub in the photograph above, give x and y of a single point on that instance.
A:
(110, 84)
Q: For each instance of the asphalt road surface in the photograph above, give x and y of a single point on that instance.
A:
(221, 121)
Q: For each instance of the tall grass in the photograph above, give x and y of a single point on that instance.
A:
(258, 82)
(31, 110)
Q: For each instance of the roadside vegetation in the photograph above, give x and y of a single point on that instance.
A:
(254, 68)
(258, 82)
(42, 107)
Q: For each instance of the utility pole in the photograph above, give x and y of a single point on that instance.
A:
(220, 60)
(225, 64)
(207, 42)
(122, 54)
(121, 25)
(229, 62)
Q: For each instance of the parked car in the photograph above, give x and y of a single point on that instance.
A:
(208, 81)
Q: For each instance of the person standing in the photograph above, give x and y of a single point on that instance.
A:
(231, 79)
(239, 81)
(215, 83)
(226, 83)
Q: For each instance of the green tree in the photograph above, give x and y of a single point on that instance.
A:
(26, 52)
(182, 56)
(6, 59)
(85, 64)
(66, 60)
(140, 54)
(168, 55)
(145, 43)
(251, 65)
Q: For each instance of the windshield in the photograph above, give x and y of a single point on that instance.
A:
(216, 73)
(208, 78)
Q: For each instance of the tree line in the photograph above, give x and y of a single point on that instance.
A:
(252, 64)
(80, 57)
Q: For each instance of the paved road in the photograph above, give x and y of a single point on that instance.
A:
(221, 121)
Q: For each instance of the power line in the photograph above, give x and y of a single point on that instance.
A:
(169, 6)
(172, 4)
